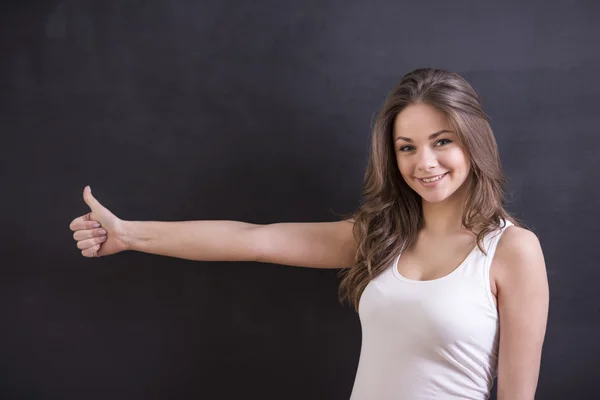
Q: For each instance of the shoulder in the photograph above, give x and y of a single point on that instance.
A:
(518, 256)
(517, 241)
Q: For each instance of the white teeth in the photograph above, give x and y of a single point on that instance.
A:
(433, 179)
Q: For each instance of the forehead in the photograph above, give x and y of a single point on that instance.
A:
(419, 120)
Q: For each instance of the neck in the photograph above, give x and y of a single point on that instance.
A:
(445, 218)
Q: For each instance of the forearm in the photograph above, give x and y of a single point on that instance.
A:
(192, 240)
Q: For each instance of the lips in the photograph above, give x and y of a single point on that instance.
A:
(440, 176)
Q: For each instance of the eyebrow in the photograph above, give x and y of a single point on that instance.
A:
(432, 136)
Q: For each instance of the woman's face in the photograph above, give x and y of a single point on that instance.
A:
(426, 147)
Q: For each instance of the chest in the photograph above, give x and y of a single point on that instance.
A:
(435, 314)
(431, 260)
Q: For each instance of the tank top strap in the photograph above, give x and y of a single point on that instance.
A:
(490, 243)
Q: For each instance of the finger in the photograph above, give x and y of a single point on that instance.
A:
(86, 244)
(89, 233)
(90, 200)
(83, 222)
(91, 252)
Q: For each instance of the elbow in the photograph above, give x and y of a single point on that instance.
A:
(515, 394)
(258, 244)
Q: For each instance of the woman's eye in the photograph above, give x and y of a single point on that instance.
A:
(441, 142)
(445, 141)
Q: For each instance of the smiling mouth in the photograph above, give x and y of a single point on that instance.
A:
(432, 178)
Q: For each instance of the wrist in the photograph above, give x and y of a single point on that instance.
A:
(126, 234)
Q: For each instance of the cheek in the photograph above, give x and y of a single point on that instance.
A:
(457, 160)
(404, 168)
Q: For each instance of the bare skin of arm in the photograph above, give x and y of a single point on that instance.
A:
(314, 245)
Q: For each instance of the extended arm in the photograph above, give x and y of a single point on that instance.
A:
(317, 245)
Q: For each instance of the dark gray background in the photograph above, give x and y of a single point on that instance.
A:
(260, 111)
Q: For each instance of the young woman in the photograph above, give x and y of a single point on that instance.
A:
(451, 290)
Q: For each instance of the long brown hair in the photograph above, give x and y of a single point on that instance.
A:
(390, 216)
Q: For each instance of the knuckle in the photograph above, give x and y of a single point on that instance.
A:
(73, 224)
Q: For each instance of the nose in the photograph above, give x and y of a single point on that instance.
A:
(427, 160)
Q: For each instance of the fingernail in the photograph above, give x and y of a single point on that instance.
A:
(96, 225)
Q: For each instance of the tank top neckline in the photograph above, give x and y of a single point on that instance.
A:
(421, 282)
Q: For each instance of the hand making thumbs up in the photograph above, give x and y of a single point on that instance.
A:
(99, 232)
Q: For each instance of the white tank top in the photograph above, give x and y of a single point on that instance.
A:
(426, 340)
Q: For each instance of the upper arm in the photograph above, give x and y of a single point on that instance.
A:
(523, 299)
(316, 245)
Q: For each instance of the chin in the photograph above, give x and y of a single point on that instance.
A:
(434, 198)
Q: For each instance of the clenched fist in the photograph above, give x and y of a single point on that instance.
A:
(99, 232)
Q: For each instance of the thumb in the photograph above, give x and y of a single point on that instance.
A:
(90, 200)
